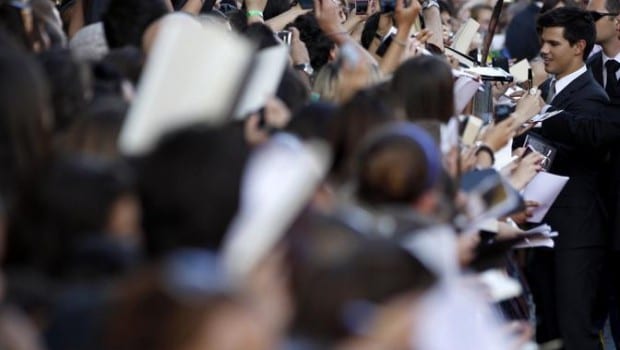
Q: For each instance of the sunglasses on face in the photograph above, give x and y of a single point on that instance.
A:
(598, 15)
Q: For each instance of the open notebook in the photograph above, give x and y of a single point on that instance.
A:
(198, 72)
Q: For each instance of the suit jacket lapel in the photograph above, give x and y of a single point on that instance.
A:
(562, 99)
(595, 64)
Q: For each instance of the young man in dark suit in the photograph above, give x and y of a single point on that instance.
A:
(565, 279)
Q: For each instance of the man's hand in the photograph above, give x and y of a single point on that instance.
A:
(528, 106)
(497, 135)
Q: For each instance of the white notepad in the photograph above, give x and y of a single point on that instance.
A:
(544, 189)
(198, 72)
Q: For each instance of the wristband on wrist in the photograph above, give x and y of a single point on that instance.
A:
(398, 42)
(255, 13)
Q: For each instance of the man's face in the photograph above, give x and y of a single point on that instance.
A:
(559, 56)
(605, 26)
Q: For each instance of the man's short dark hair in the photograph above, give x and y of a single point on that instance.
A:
(125, 21)
(577, 23)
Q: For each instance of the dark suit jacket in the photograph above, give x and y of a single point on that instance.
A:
(577, 214)
(610, 176)
(595, 65)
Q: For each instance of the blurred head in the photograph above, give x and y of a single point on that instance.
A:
(361, 115)
(70, 83)
(96, 134)
(26, 120)
(320, 47)
(335, 270)
(125, 21)
(190, 186)
(292, 90)
(86, 197)
(423, 87)
(400, 164)
(482, 14)
(183, 304)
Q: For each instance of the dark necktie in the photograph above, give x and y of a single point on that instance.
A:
(612, 82)
(551, 92)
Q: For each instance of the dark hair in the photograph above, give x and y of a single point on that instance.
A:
(238, 20)
(359, 116)
(274, 8)
(125, 21)
(424, 86)
(312, 121)
(577, 23)
(261, 35)
(397, 164)
(370, 30)
(96, 135)
(77, 198)
(190, 187)
(318, 44)
(333, 267)
(25, 122)
(166, 312)
(70, 83)
(292, 90)
(446, 6)
(128, 61)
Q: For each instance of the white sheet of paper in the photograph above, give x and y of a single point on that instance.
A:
(544, 189)
(546, 115)
(503, 156)
(544, 229)
(193, 74)
(465, 87)
(268, 68)
(465, 35)
(501, 286)
(487, 71)
(519, 71)
(278, 182)
(535, 243)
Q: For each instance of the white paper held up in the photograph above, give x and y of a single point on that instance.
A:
(544, 189)
(278, 182)
(194, 73)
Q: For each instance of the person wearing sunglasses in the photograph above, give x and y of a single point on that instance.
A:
(605, 65)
